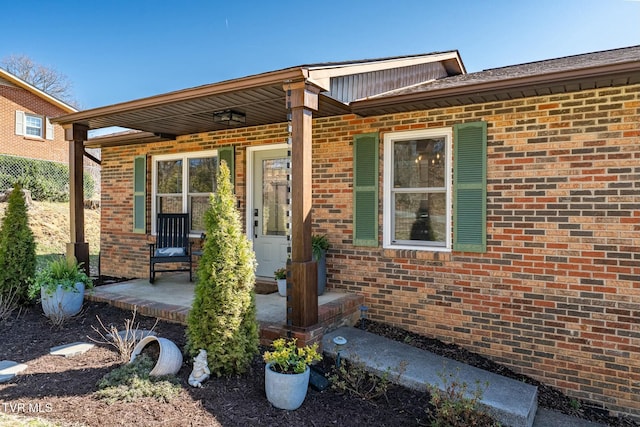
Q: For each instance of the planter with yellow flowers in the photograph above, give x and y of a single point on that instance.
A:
(286, 375)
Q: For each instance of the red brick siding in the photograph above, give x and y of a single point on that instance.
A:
(14, 99)
(557, 294)
(124, 253)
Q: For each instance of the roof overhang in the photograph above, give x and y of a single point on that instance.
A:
(40, 94)
(260, 97)
(499, 89)
(322, 73)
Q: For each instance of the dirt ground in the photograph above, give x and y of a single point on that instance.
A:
(62, 389)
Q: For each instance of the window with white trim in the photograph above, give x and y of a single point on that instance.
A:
(33, 125)
(417, 190)
(182, 184)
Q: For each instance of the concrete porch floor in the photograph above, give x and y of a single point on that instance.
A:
(171, 296)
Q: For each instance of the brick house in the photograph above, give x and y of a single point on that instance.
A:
(499, 210)
(25, 126)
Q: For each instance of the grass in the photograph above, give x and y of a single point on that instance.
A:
(50, 225)
(8, 420)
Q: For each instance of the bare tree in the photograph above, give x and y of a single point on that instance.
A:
(44, 78)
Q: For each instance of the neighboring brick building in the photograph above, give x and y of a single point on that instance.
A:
(25, 126)
(497, 210)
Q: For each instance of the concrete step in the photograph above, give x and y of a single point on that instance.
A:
(512, 403)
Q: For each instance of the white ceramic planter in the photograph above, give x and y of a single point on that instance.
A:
(285, 391)
(282, 287)
(62, 303)
(169, 360)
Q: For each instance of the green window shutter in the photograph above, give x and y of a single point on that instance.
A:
(139, 194)
(470, 187)
(228, 155)
(365, 189)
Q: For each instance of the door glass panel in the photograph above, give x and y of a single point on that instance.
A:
(274, 197)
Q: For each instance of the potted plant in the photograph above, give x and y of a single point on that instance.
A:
(319, 246)
(61, 285)
(281, 278)
(286, 375)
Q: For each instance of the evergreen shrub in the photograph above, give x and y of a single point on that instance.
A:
(17, 249)
(222, 319)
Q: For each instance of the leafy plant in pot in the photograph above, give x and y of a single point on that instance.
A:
(281, 279)
(286, 375)
(319, 247)
(61, 285)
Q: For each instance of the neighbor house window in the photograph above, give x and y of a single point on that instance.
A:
(183, 183)
(33, 125)
(417, 190)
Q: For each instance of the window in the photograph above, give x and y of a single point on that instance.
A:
(182, 183)
(417, 190)
(33, 125)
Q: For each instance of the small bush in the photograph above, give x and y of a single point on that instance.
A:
(7, 305)
(126, 342)
(457, 405)
(352, 377)
(132, 381)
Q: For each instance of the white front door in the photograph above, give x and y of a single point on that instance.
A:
(269, 210)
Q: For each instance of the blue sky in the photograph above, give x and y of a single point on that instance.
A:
(114, 51)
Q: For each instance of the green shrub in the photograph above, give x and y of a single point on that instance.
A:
(17, 250)
(132, 381)
(222, 319)
(47, 181)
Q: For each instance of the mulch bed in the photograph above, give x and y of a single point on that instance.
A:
(62, 388)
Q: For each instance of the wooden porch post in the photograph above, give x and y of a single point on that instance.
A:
(302, 295)
(76, 134)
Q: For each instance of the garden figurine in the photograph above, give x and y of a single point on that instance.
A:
(200, 371)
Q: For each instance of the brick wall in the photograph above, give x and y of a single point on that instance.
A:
(126, 254)
(14, 98)
(557, 294)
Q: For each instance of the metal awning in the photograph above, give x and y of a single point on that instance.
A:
(262, 98)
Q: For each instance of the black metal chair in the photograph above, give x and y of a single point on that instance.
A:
(172, 244)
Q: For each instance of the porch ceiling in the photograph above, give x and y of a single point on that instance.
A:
(262, 106)
(191, 111)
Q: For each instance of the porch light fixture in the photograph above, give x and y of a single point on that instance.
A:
(229, 117)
